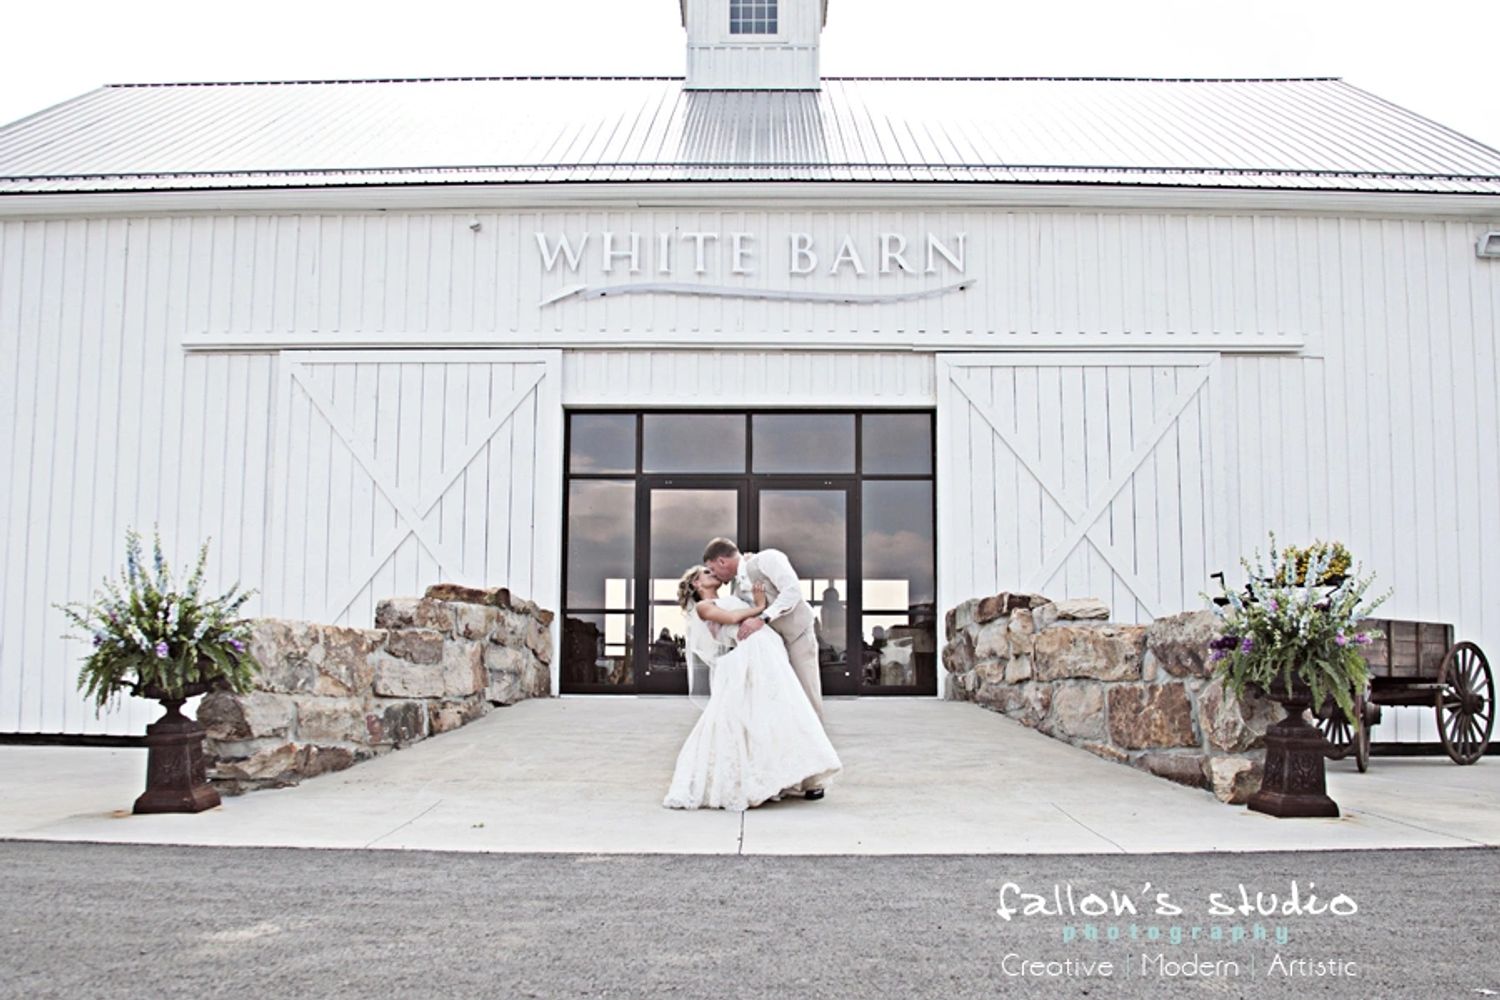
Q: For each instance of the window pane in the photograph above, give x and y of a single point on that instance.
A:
(667, 649)
(897, 444)
(899, 555)
(752, 17)
(682, 522)
(694, 442)
(830, 600)
(601, 544)
(602, 442)
(804, 442)
(810, 527)
(596, 650)
(898, 650)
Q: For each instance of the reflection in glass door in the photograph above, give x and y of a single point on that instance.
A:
(811, 525)
(598, 624)
(898, 587)
(680, 519)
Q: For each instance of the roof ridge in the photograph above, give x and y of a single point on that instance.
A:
(1098, 168)
(1109, 79)
(564, 77)
(379, 79)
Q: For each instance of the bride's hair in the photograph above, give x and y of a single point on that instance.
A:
(687, 589)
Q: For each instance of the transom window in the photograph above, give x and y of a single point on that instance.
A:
(752, 17)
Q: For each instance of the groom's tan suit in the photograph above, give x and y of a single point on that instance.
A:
(789, 613)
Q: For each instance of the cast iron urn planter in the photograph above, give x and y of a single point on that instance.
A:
(176, 777)
(1294, 783)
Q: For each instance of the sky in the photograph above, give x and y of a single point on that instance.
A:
(1438, 58)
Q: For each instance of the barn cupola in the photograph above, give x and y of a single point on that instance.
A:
(753, 44)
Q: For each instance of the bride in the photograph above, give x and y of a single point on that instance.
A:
(758, 736)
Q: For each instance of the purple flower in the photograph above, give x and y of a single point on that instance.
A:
(1341, 639)
(1247, 645)
(1273, 605)
(161, 649)
(239, 647)
(1363, 639)
(98, 639)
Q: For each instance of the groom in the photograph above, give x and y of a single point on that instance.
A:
(788, 612)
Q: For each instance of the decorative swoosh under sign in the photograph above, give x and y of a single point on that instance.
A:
(734, 292)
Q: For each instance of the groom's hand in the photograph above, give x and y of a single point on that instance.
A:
(749, 627)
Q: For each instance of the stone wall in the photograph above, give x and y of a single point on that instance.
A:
(328, 697)
(1142, 695)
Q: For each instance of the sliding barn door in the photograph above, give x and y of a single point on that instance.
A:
(396, 470)
(1079, 476)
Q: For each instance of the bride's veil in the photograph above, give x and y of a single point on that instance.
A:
(701, 650)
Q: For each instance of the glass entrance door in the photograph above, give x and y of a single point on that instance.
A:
(807, 521)
(810, 523)
(680, 517)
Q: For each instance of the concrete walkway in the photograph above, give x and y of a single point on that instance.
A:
(587, 775)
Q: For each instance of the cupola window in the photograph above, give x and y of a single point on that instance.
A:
(752, 17)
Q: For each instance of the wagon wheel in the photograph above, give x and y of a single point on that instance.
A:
(1336, 730)
(1362, 738)
(1465, 703)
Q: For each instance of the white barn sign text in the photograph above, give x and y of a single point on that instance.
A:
(745, 253)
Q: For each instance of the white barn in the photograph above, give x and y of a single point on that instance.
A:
(934, 337)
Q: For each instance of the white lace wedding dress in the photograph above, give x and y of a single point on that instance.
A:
(758, 736)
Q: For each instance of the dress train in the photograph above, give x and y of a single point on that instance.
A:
(757, 738)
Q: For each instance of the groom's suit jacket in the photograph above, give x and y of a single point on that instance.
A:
(789, 612)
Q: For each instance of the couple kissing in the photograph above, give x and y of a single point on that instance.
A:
(760, 737)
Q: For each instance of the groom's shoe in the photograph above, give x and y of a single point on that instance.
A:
(813, 794)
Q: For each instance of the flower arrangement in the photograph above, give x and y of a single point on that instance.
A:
(1295, 561)
(147, 634)
(1291, 626)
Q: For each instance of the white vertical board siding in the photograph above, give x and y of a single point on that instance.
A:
(1075, 477)
(1389, 440)
(396, 470)
(107, 424)
(1043, 280)
(748, 378)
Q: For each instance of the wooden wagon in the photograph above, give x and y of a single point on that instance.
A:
(1418, 663)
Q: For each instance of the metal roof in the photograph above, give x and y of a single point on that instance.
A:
(1306, 133)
